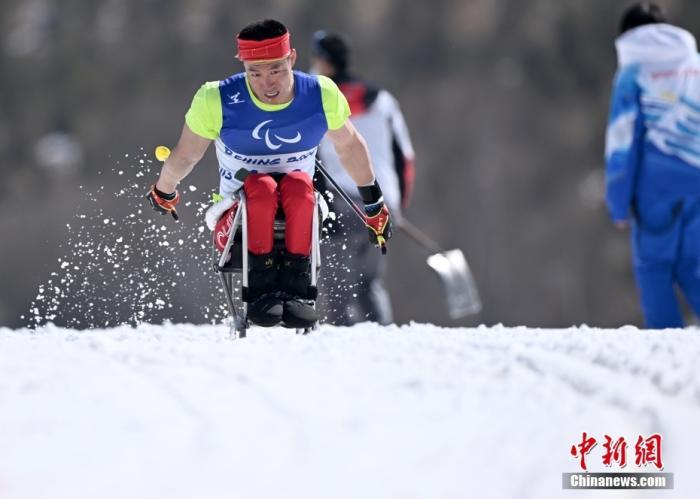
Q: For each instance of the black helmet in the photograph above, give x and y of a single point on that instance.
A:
(332, 48)
(640, 14)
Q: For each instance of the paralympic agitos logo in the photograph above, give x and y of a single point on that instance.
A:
(268, 141)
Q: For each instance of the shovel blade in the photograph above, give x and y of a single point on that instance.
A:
(458, 282)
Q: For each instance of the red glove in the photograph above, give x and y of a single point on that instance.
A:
(377, 218)
(163, 202)
(379, 226)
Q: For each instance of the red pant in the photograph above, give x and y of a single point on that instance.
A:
(263, 194)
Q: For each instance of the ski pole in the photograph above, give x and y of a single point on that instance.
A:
(360, 214)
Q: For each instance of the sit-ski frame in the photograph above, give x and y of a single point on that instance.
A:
(239, 315)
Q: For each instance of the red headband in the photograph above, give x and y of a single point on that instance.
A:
(270, 49)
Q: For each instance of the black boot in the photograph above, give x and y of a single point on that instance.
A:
(295, 282)
(265, 307)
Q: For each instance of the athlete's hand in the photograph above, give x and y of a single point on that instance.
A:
(378, 222)
(377, 218)
(163, 202)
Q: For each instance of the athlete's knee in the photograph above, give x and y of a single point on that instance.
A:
(297, 185)
(260, 186)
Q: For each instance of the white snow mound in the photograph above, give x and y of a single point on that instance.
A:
(183, 411)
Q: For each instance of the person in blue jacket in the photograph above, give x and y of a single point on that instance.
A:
(653, 160)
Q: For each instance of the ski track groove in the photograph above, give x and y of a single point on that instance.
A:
(125, 360)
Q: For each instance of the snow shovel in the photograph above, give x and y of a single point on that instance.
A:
(458, 281)
(451, 266)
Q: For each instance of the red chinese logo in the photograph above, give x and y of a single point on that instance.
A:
(583, 448)
(615, 452)
(646, 451)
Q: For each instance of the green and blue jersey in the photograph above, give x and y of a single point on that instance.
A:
(250, 135)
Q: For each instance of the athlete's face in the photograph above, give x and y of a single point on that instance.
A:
(272, 82)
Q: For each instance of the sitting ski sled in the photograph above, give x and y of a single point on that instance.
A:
(247, 279)
(278, 283)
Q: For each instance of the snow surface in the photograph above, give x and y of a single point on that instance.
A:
(183, 411)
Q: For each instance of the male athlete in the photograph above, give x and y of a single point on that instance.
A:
(267, 123)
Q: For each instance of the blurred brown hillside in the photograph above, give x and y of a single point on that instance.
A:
(506, 102)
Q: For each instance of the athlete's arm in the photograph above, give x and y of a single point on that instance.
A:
(186, 154)
(353, 153)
